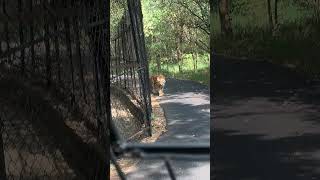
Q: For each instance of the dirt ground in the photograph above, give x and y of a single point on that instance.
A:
(158, 128)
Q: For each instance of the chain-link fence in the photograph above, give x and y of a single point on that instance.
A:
(54, 95)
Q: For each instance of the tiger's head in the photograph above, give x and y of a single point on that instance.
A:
(157, 84)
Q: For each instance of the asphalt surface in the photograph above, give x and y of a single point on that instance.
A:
(186, 105)
(265, 123)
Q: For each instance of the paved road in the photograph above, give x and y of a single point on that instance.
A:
(186, 105)
(266, 123)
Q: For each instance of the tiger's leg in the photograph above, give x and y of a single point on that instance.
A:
(161, 92)
(152, 86)
(154, 90)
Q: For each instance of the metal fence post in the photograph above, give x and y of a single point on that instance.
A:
(140, 58)
(2, 158)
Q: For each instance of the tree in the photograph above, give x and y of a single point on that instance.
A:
(211, 42)
(175, 28)
(225, 18)
(273, 21)
(270, 15)
(276, 12)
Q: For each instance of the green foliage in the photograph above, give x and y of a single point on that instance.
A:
(201, 74)
(175, 29)
(117, 8)
(295, 43)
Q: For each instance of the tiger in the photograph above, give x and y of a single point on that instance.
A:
(157, 84)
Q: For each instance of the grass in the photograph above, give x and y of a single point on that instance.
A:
(201, 74)
(296, 42)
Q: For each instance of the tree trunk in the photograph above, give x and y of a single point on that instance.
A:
(276, 12)
(317, 10)
(212, 70)
(178, 53)
(194, 63)
(158, 63)
(179, 58)
(225, 18)
(69, 50)
(270, 15)
(180, 41)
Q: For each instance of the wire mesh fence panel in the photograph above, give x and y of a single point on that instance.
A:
(129, 69)
(57, 49)
(28, 154)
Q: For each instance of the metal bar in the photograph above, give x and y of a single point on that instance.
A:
(47, 52)
(137, 40)
(6, 29)
(97, 77)
(123, 54)
(57, 52)
(55, 38)
(117, 166)
(1, 38)
(158, 148)
(173, 156)
(106, 90)
(69, 49)
(128, 19)
(21, 35)
(79, 57)
(2, 155)
(136, 134)
(134, 68)
(127, 57)
(169, 168)
(32, 37)
(119, 53)
(131, 69)
(118, 60)
(145, 59)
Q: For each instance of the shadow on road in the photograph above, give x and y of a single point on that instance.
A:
(265, 123)
(252, 157)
